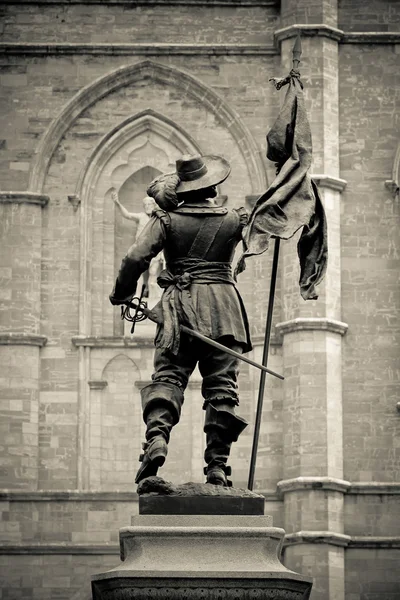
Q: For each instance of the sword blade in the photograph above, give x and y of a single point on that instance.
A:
(155, 318)
(208, 340)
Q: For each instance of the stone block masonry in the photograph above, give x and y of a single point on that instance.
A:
(94, 92)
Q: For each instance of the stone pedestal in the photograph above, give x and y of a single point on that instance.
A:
(200, 556)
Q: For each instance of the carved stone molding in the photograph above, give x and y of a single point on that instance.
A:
(39, 49)
(23, 198)
(313, 483)
(371, 37)
(327, 181)
(354, 37)
(393, 187)
(376, 542)
(75, 200)
(317, 30)
(300, 483)
(341, 540)
(316, 537)
(130, 75)
(113, 342)
(312, 324)
(22, 339)
(140, 130)
(364, 542)
(197, 589)
(207, 3)
(99, 384)
(66, 496)
(60, 548)
(240, 557)
(375, 487)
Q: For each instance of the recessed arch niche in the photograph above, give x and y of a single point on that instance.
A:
(129, 76)
(116, 427)
(143, 145)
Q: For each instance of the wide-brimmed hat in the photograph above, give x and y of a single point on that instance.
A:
(197, 172)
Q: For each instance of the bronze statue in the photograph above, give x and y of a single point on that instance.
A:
(198, 239)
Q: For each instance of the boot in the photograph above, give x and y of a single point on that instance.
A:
(222, 427)
(161, 402)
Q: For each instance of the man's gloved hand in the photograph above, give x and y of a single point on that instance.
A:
(115, 301)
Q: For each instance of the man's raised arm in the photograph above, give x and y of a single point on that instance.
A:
(125, 213)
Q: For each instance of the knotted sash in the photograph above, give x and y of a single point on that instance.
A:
(176, 302)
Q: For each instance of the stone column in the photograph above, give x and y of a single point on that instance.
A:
(20, 339)
(90, 456)
(312, 331)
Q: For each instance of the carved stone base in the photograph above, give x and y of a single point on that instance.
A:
(197, 556)
(202, 589)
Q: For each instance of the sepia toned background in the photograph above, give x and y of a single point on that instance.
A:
(101, 94)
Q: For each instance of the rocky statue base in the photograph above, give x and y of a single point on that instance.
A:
(200, 556)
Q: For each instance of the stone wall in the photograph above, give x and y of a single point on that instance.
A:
(369, 136)
(92, 93)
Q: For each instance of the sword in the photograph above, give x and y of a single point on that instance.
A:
(141, 309)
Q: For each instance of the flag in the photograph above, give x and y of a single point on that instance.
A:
(292, 201)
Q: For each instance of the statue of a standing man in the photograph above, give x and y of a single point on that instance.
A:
(142, 218)
(198, 239)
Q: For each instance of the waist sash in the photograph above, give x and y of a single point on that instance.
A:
(176, 301)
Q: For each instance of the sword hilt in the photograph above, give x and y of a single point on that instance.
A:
(140, 308)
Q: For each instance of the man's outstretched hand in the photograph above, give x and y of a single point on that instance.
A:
(114, 196)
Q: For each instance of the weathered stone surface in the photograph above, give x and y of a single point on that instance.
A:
(157, 485)
(200, 557)
(159, 497)
(200, 505)
(41, 270)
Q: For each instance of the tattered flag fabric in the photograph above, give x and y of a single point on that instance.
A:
(292, 201)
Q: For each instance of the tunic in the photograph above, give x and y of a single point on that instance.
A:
(199, 242)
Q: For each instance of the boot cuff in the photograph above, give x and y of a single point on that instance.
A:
(231, 425)
(162, 393)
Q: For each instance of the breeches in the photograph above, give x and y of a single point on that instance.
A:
(218, 369)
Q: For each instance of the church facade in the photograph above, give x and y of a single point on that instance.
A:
(97, 95)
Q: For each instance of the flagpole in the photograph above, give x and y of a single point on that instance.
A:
(264, 362)
(296, 54)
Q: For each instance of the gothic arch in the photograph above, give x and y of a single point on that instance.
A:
(116, 424)
(118, 358)
(129, 75)
(145, 139)
(137, 127)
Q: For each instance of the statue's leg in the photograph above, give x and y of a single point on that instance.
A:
(222, 426)
(162, 403)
